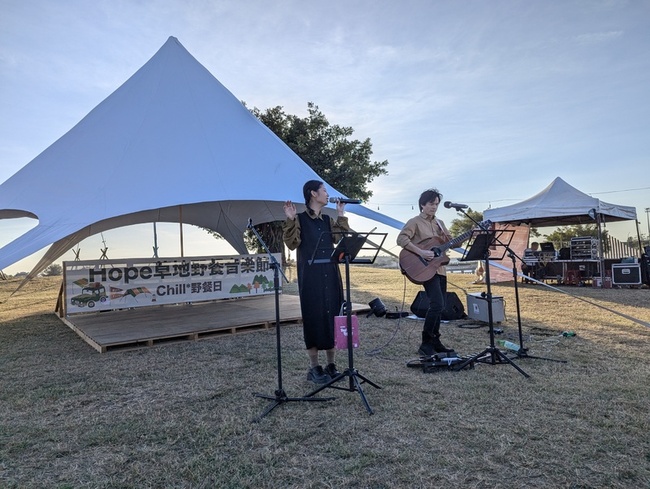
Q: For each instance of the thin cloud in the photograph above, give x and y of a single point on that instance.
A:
(598, 38)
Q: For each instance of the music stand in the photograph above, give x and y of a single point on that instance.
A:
(279, 396)
(346, 252)
(479, 249)
(522, 352)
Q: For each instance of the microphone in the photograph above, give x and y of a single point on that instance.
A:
(449, 205)
(335, 200)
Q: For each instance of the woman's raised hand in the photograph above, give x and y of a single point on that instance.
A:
(290, 210)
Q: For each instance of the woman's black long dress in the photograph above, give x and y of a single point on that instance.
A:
(319, 284)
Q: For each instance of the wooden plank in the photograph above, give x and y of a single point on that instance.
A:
(149, 326)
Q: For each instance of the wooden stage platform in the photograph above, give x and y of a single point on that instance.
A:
(148, 326)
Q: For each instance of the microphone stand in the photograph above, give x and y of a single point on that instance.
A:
(491, 354)
(522, 352)
(279, 396)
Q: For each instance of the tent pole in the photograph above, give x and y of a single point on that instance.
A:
(155, 241)
(180, 217)
(601, 255)
(638, 234)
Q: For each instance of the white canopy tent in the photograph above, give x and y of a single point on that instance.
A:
(170, 145)
(557, 205)
(560, 204)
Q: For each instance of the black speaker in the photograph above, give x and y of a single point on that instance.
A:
(420, 304)
(454, 308)
(377, 308)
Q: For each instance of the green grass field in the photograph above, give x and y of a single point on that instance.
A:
(182, 415)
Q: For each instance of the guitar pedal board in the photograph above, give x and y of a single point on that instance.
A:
(438, 361)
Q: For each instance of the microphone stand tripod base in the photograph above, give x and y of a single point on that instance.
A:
(491, 355)
(354, 385)
(523, 353)
(281, 397)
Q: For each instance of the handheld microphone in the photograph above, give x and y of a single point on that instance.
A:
(335, 200)
(449, 205)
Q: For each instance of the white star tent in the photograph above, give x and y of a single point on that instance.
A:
(170, 145)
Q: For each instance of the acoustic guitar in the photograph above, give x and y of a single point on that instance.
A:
(418, 270)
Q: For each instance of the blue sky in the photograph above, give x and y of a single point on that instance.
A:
(488, 101)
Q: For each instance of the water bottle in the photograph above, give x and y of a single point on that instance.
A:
(509, 345)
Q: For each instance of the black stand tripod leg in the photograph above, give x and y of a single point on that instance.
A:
(363, 396)
(355, 385)
(523, 352)
(495, 355)
(505, 359)
(365, 380)
(280, 398)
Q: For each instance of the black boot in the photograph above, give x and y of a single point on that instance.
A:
(426, 348)
(439, 347)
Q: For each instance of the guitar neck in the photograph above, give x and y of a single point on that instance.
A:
(463, 237)
(455, 242)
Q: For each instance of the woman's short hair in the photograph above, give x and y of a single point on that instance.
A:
(427, 196)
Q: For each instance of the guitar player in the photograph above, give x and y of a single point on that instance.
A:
(426, 228)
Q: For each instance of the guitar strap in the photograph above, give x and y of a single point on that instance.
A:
(445, 235)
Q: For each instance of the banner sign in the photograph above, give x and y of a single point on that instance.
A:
(100, 285)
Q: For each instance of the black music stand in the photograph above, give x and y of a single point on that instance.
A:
(522, 352)
(479, 249)
(279, 396)
(346, 252)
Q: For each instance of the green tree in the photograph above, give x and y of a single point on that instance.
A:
(327, 148)
(561, 237)
(54, 270)
(464, 224)
(343, 162)
(633, 242)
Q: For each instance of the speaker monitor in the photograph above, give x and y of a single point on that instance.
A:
(454, 308)
(477, 308)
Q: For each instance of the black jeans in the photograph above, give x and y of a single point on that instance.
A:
(436, 290)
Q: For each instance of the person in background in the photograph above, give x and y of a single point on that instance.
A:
(319, 284)
(418, 229)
